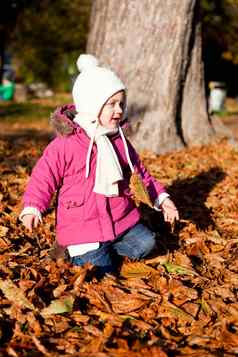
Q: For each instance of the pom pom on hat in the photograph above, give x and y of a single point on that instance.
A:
(94, 85)
(85, 62)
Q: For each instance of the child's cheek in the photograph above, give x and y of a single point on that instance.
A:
(109, 115)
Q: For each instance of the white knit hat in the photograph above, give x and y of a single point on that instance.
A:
(94, 85)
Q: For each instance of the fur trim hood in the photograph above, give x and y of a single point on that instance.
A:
(62, 120)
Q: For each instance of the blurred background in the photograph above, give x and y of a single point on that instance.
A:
(40, 41)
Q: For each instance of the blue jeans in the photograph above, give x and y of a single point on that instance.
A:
(135, 243)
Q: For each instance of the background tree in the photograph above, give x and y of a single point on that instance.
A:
(49, 36)
(220, 42)
(155, 46)
(10, 10)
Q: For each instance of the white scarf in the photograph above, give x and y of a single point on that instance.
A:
(108, 168)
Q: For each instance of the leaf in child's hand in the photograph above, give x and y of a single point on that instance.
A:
(139, 191)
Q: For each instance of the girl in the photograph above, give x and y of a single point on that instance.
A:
(89, 164)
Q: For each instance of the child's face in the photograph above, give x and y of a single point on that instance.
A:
(112, 111)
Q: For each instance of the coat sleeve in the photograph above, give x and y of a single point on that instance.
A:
(46, 176)
(154, 187)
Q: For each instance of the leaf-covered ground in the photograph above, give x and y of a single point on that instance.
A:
(182, 301)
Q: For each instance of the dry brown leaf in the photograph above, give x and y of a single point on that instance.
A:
(57, 292)
(180, 293)
(59, 306)
(136, 270)
(191, 308)
(41, 348)
(167, 309)
(15, 294)
(122, 302)
(3, 231)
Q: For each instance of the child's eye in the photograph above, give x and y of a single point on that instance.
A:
(112, 105)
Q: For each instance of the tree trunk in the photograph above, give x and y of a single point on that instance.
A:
(155, 47)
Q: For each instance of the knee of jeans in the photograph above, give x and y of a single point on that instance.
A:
(77, 261)
(143, 247)
(148, 245)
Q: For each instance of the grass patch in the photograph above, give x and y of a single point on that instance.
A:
(225, 113)
(33, 110)
(24, 112)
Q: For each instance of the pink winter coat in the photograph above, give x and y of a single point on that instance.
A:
(83, 216)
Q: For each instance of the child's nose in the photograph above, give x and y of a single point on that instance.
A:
(118, 108)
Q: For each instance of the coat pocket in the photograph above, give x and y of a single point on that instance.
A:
(73, 203)
(70, 210)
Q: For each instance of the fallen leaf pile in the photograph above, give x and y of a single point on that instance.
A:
(182, 301)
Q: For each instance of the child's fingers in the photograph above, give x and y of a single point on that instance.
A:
(171, 215)
(28, 221)
(36, 221)
(175, 216)
(169, 218)
(172, 219)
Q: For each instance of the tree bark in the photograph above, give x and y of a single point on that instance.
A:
(155, 47)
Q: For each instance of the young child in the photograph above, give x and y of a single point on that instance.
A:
(89, 165)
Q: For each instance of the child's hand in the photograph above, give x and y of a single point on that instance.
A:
(170, 211)
(30, 221)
